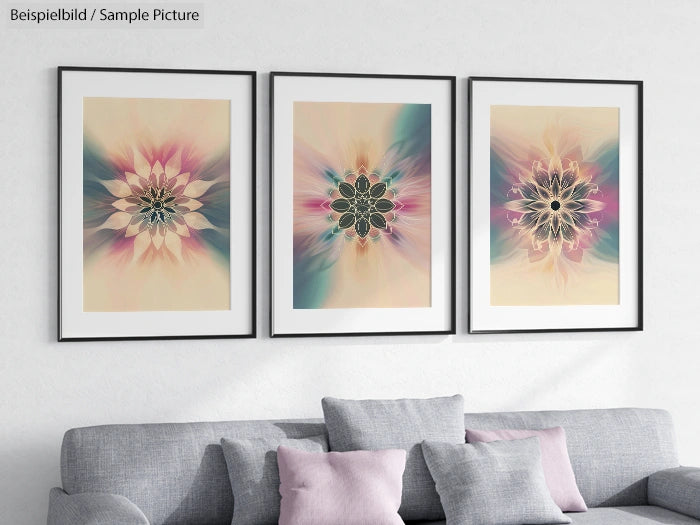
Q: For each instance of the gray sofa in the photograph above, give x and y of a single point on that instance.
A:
(625, 463)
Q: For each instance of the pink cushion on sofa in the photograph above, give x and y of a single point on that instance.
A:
(340, 488)
(555, 462)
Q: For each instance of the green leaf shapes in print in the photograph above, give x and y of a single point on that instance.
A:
(362, 227)
(378, 220)
(362, 184)
(346, 190)
(340, 205)
(346, 220)
(384, 205)
(377, 190)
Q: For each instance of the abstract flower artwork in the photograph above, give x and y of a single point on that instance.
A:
(361, 209)
(363, 179)
(155, 204)
(554, 205)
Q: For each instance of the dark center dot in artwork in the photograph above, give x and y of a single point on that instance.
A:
(157, 205)
(555, 205)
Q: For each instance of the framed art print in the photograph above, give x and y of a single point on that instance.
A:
(362, 204)
(157, 203)
(555, 193)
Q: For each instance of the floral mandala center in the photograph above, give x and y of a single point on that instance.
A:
(556, 206)
(158, 206)
(362, 205)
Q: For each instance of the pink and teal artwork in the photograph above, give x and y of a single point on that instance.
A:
(156, 197)
(361, 205)
(554, 206)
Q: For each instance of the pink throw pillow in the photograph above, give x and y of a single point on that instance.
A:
(360, 487)
(555, 461)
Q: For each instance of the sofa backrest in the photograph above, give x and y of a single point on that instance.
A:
(612, 451)
(176, 472)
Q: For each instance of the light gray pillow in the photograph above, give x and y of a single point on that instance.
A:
(496, 483)
(254, 475)
(400, 423)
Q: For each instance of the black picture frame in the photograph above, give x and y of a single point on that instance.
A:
(637, 305)
(451, 328)
(252, 130)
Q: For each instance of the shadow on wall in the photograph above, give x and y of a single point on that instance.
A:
(559, 378)
(49, 77)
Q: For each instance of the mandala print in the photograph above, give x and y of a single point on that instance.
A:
(558, 207)
(554, 206)
(156, 205)
(363, 205)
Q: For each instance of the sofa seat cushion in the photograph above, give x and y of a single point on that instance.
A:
(641, 515)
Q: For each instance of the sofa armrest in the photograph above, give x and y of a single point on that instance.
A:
(92, 508)
(676, 489)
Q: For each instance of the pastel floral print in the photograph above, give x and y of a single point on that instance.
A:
(361, 203)
(558, 206)
(156, 205)
(554, 175)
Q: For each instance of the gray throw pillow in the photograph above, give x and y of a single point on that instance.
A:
(254, 475)
(400, 423)
(496, 483)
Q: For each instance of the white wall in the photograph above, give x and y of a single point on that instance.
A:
(46, 388)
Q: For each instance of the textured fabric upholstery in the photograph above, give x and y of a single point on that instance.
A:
(254, 474)
(360, 487)
(496, 483)
(555, 462)
(375, 424)
(612, 451)
(640, 515)
(92, 509)
(635, 515)
(676, 489)
(175, 473)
